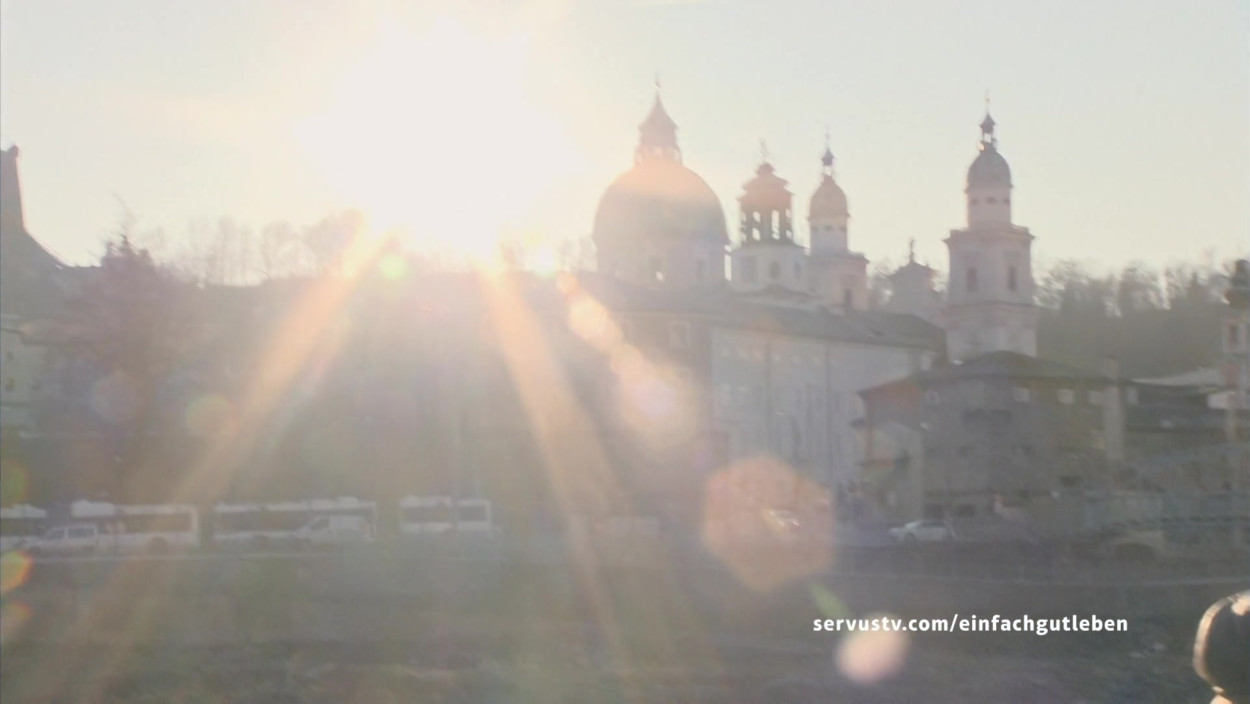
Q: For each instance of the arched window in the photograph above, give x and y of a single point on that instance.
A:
(971, 279)
(774, 271)
(1012, 284)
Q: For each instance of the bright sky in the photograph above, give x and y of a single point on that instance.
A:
(1127, 125)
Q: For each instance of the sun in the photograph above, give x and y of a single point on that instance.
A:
(435, 137)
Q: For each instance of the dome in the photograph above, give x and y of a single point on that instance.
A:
(828, 201)
(989, 170)
(662, 199)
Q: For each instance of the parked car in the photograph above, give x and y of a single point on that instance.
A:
(924, 531)
(330, 531)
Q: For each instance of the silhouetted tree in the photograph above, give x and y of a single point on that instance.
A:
(131, 328)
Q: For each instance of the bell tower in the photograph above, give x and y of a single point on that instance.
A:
(767, 255)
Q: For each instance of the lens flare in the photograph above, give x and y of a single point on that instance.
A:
(14, 570)
(13, 617)
(767, 523)
(868, 657)
(393, 267)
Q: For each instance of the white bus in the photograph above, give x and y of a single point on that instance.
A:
(434, 515)
(264, 526)
(98, 527)
(19, 525)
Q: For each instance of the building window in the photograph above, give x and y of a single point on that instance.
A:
(1095, 398)
(972, 201)
(991, 200)
(1066, 396)
(1020, 394)
(1012, 284)
(848, 298)
(750, 270)
(774, 271)
(1234, 336)
(1131, 395)
(970, 277)
(679, 335)
(798, 270)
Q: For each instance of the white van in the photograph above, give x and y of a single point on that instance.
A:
(335, 530)
(72, 540)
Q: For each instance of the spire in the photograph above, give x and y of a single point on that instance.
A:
(657, 135)
(911, 251)
(988, 141)
(763, 152)
(826, 159)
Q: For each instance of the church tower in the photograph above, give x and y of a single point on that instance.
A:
(912, 290)
(767, 256)
(990, 292)
(839, 277)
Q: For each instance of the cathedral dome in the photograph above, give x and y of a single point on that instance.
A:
(989, 170)
(828, 201)
(660, 199)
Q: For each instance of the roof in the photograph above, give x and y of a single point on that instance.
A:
(1001, 364)
(828, 200)
(1202, 376)
(777, 310)
(30, 276)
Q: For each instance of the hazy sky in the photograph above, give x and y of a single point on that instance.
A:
(1127, 124)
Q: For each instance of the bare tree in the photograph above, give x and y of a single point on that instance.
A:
(280, 251)
(329, 239)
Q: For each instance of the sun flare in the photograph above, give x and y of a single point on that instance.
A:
(435, 137)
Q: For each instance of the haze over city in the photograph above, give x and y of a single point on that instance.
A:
(1125, 125)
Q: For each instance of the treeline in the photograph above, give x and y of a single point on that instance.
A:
(1157, 321)
(230, 253)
